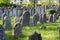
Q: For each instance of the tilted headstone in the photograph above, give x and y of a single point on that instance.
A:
(25, 18)
(17, 19)
(2, 33)
(21, 20)
(35, 19)
(3, 15)
(7, 23)
(17, 30)
(35, 36)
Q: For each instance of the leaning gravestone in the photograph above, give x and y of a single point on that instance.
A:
(7, 23)
(25, 18)
(35, 18)
(21, 20)
(35, 36)
(17, 30)
(2, 33)
(17, 19)
(3, 15)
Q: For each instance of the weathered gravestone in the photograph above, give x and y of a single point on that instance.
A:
(17, 30)
(44, 18)
(17, 19)
(51, 18)
(41, 19)
(20, 20)
(7, 23)
(55, 17)
(2, 33)
(25, 18)
(35, 36)
(35, 18)
(3, 15)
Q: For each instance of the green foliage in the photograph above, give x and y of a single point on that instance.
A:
(6, 1)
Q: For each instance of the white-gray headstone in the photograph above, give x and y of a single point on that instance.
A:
(17, 30)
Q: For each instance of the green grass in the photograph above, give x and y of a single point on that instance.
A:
(1, 1)
(50, 33)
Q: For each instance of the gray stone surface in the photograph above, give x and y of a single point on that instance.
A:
(44, 18)
(3, 15)
(41, 19)
(17, 30)
(2, 33)
(54, 17)
(17, 19)
(35, 36)
(25, 18)
(50, 18)
(7, 23)
(35, 19)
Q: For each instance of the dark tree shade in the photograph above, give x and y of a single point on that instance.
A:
(52, 11)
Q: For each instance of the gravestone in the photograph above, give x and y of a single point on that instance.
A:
(7, 23)
(2, 33)
(21, 20)
(41, 19)
(35, 36)
(35, 18)
(17, 19)
(51, 18)
(44, 18)
(17, 30)
(25, 18)
(3, 15)
(55, 17)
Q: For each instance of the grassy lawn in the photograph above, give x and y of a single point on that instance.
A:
(50, 33)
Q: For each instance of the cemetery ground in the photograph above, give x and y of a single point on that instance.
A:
(50, 33)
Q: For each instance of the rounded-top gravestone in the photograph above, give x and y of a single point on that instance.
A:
(3, 15)
(17, 30)
(25, 18)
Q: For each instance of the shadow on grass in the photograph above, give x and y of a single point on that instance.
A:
(19, 37)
